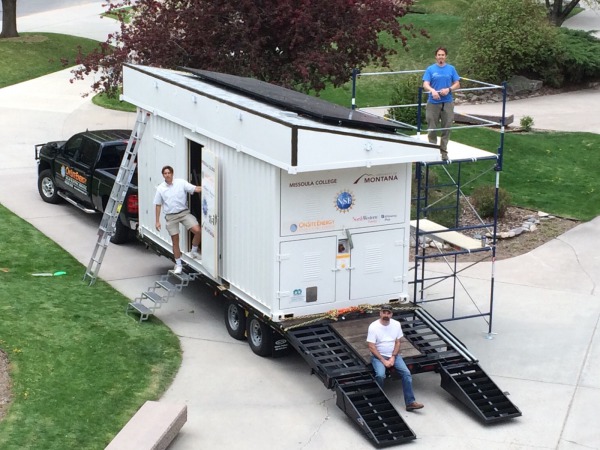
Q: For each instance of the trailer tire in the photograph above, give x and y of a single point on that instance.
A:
(47, 187)
(260, 337)
(122, 233)
(235, 320)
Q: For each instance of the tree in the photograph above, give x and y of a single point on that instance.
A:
(559, 10)
(294, 43)
(9, 19)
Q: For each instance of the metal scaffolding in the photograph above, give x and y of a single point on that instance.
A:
(439, 250)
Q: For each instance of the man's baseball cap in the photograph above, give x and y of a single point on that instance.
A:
(385, 308)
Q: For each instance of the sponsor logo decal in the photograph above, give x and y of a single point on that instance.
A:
(344, 201)
(367, 178)
(312, 225)
(309, 183)
(74, 179)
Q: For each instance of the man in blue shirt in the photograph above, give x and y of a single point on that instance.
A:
(439, 80)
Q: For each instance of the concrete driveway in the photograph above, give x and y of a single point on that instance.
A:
(547, 313)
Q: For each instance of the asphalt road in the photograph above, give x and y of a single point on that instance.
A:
(28, 7)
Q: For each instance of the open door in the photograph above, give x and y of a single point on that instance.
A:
(210, 208)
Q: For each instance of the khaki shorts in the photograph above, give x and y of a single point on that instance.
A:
(184, 217)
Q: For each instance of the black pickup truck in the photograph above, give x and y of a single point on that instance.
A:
(83, 170)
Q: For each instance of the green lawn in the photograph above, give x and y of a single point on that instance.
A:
(33, 55)
(80, 367)
(551, 171)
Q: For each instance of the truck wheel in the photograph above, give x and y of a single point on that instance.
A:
(47, 188)
(235, 320)
(122, 233)
(260, 337)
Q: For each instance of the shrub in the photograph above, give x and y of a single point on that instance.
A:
(406, 92)
(526, 123)
(483, 198)
(502, 38)
(579, 55)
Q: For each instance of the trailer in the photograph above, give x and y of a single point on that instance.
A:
(304, 211)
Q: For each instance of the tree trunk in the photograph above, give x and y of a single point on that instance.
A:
(557, 13)
(9, 19)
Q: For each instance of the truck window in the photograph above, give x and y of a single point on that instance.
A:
(72, 146)
(88, 152)
(111, 156)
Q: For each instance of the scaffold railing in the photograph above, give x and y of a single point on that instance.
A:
(447, 244)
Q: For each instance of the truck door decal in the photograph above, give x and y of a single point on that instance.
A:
(210, 212)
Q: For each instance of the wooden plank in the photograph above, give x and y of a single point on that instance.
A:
(354, 333)
(453, 238)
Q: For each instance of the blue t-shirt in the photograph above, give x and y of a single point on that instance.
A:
(440, 78)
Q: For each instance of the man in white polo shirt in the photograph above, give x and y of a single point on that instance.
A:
(171, 195)
(383, 339)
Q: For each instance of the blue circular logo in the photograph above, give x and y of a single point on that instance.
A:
(344, 201)
(293, 227)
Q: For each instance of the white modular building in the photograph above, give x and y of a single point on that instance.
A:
(305, 206)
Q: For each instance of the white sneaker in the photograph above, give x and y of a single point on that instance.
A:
(195, 255)
(178, 269)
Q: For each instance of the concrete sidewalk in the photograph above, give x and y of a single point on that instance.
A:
(547, 314)
(587, 20)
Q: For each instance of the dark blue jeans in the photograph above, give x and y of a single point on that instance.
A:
(402, 370)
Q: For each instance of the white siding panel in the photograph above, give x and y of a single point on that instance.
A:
(249, 216)
(318, 150)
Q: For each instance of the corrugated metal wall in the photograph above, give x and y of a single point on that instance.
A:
(250, 224)
(249, 205)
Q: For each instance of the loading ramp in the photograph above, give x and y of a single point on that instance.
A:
(342, 363)
(341, 368)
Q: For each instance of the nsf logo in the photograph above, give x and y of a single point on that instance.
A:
(344, 201)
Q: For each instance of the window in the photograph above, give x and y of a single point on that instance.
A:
(88, 152)
(73, 145)
(111, 156)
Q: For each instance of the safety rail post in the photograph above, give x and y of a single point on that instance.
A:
(422, 199)
(355, 74)
(419, 109)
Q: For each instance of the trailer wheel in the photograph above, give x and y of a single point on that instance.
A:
(47, 188)
(235, 321)
(260, 337)
(122, 233)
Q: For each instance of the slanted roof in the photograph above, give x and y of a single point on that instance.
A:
(267, 129)
(297, 102)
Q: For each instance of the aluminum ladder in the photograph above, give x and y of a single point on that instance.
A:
(117, 197)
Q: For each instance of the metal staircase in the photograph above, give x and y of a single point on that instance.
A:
(161, 292)
(117, 197)
(339, 367)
